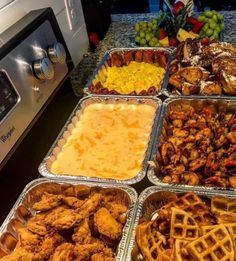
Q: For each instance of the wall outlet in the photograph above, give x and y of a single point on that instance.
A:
(73, 10)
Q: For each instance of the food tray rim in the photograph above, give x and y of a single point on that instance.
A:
(152, 177)
(105, 57)
(131, 192)
(45, 172)
(159, 188)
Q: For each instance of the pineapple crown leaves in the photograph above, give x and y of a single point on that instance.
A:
(171, 22)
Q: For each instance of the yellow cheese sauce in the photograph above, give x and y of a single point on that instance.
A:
(108, 141)
(133, 77)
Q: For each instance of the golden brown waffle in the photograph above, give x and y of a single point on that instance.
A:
(166, 255)
(190, 203)
(180, 251)
(150, 242)
(183, 226)
(215, 245)
(221, 205)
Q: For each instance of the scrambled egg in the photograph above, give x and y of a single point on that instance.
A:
(133, 77)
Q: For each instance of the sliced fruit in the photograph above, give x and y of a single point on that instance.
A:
(164, 41)
(182, 35)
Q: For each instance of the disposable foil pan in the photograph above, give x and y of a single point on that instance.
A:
(167, 92)
(103, 65)
(220, 105)
(22, 210)
(152, 199)
(44, 167)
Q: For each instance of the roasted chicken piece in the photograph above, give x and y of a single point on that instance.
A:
(47, 202)
(210, 88)
(61, 218)
(192, 75)
(64, 252)
(107, 225)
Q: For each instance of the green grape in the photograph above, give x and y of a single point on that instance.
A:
(212, 24)
(137, 39)
(137, 27)
(143, 42)
(215, 35)
(154, 21)
(145, 26)
(154, 26)
(205, 27)
(148, 37)
(201, 18)
(151, 43)
(214, 18)
(157, 44)
(142, 34)
(150, 24)
(208, 13)
(217, 29)
(220, 16)
(202, 33)
(222, 26)
(209, 32)
(154, 39)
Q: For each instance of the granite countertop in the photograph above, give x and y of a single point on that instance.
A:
(121, 34)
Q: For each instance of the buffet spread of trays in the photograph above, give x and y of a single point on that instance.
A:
(185, 145)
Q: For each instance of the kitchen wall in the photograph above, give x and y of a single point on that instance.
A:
(69, 16)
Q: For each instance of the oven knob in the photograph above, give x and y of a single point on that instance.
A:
(43, 69)
(57, 53)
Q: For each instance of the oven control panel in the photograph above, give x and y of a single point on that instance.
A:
(34, 61)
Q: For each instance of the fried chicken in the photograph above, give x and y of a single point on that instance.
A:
(48, 245)
(106, 224)
(105, 255)
(118, 211)
(27, 239)
(64, 252)
(47, 202)
(72, 202)
(82, 233)
(89, 207)
(61, 218)
(85, 251)
(37, 224)
(19, 254)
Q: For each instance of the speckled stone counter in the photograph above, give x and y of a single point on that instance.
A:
(121, 34)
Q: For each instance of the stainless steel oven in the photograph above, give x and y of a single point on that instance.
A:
(35, 98)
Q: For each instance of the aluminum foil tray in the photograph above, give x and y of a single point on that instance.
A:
(150, 200)
(104, 64)
(167, 92)
(22, 210)
(44, 167)
(220, 105)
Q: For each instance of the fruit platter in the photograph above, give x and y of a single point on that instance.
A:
(176, 23)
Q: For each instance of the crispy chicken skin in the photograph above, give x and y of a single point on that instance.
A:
(72, 202)
(106, 224)
(90, 206)
(61, 218)
(38, 225)
(64, 252)
(28, 239)
(47, 202)
(105, 255)
(85, 251)
(19, 254)
(82, 233)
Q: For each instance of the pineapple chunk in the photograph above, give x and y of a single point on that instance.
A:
(164, 41)
(182, 35)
